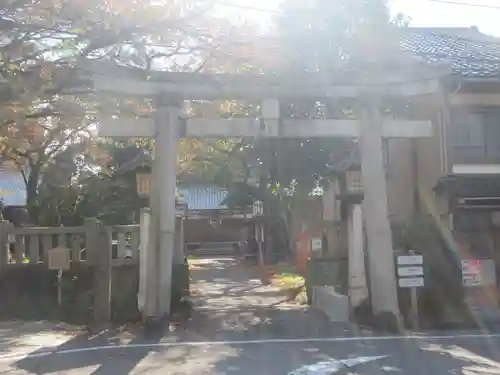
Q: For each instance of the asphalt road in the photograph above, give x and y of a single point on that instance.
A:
(460, 355)
(242, 327)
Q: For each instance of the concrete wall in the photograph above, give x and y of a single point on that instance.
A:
(400, 180)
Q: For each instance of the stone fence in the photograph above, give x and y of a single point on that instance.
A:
(100, 285)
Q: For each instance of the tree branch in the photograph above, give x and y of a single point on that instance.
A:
(65, 140)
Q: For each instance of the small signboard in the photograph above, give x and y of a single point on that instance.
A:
(316, 244)
(409, 260)
(472, 280)
(411, 282)
(411, 276)
(411, 271)
(59, 258)
(478, 272)
(471, 266)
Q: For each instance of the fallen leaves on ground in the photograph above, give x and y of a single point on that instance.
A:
(68, 329)
(284, 275)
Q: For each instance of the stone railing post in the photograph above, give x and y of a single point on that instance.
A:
(98, 243)
(147, 297)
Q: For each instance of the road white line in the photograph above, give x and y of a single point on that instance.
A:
(333, 365)
(17, 356)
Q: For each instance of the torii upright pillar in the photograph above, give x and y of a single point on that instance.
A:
(167, 140)
(381, 267)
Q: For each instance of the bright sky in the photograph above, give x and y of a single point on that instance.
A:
(422, 12)
(435, 13)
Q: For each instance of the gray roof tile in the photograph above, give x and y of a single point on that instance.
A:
(470, 56)
(203, 197)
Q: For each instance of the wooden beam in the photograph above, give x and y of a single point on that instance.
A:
(250, 127)
(470, 99)
(414, 88)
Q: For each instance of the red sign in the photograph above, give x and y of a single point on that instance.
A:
(471, 266)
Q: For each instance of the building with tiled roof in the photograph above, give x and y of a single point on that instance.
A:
(473, 56)
(470, 53)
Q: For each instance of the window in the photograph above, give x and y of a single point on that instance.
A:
(467, 128)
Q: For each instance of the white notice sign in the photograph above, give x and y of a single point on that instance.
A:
(409, 260)
(411, 282)
(316, 244)
(411, 271)
(472, 280)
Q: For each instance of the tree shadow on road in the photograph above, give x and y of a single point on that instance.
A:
(97, 351)
(400, 356)
(278, 337)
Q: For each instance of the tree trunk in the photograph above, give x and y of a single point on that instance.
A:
(32, 203)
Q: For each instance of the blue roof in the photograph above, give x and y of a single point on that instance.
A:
(470, 53)
(12, 188)
(203, 197)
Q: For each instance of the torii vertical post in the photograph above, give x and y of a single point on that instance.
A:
(384, 296)
(168, 128)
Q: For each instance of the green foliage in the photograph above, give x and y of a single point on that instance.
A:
(47, 106)
(330, 33)
(322, 36)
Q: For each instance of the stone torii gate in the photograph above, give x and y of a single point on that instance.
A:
(401, 80)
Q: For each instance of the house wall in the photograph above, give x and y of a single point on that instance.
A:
(430, 156)
(475, 134)
(475, 123)
(400, 187)
(414, 166)
(413, 169)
